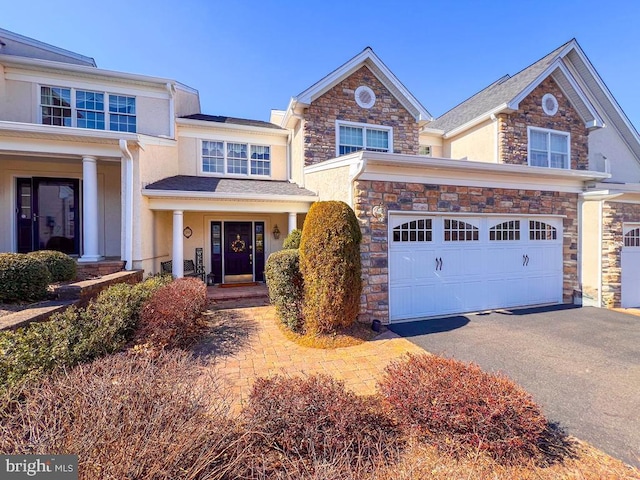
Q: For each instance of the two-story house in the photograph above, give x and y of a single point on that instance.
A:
(515, 197)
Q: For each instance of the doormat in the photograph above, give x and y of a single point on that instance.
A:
(233, 285)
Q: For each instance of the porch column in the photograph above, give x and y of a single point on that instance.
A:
(178, 245)
(90, 245)
(293, 221)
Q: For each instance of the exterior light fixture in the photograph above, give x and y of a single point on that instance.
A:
(379, 212)
(276, 232)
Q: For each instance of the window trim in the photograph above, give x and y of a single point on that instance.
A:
(548, 132)
(429, 147)
(364, 126)
(74, 107)
(201, 170)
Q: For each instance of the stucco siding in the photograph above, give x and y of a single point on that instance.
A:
(590, 252)
(18, 102)
(606, 143)
(477, 143)
(186, 103)
(330, 184)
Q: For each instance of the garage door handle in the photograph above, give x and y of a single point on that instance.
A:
(525, 260)
(438, 263)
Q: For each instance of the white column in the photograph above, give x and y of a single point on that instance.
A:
(178, 245)
(293, 221)
(90, 246)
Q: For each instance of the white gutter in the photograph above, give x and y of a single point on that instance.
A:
(128, 205)
(355, 170)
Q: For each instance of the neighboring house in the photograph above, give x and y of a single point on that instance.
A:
(515, 197)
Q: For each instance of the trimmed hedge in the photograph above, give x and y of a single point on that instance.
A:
(292, 240)
(23, 278)
(286, 286)
(460, 408)
(60, 265)
(170, 318)
(331, 267)
(75, 335)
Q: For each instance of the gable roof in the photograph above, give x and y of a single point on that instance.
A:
(14, 44)
(232, 120)
(379, 69)
(575, 75)
(505, 94)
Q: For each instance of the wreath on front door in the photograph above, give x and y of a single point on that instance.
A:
(238, 245)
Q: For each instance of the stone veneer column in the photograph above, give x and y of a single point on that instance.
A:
(178, 245)
(90, 244)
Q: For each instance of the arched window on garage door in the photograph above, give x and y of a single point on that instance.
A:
(541, 231)
(505, 231)
(414, 231)
(632, 238)
(459, 231)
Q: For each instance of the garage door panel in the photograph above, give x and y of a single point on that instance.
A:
(473, 264)
(630, 266)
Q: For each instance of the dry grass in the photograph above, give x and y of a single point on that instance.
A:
(422, 461)
(354, 335)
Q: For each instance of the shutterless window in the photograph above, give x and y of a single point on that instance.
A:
(425, 150)
(70, 107)
(233, 158)
(355, 138)
(548, 149)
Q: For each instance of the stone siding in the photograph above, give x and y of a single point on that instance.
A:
(614, 214)
(404, 196)
(512, 128)
(339, 104)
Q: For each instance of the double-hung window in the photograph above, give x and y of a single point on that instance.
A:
(353, 137)
(549, 148)
(71, 107)
(236, 158)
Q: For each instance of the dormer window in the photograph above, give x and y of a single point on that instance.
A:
(548, 148)
(70, 107)
(353, 137)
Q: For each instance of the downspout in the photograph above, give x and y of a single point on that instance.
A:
(289, 140)
(172, 110)
(128, 204)
(496, 138)
(355, 170)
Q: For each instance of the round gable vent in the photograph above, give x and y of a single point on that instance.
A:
(549, 104)
(365, 97)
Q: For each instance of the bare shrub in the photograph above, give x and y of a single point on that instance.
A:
(460, 408)
(128, 417)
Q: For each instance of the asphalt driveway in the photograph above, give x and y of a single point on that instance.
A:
(581, 364)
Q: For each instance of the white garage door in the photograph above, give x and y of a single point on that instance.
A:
(440, 265)
(630, 263)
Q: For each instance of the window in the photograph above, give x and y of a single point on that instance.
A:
(505, 231)
(353, 137)
(632, 238)
(70, 107)
(425, 150)
(541, 231)
(459, 231)
(122, 113)
(233, 158)
(414, 231)
(548, 148)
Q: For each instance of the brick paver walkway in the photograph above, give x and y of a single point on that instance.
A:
(247, 344)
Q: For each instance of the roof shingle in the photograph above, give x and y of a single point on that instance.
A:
(232, 120)
(188, 183)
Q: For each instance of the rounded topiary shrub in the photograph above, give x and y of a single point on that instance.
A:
(22, 278)
(286, 286)
(330, 266)
(460, 408)
(61, 266)
(293, 239)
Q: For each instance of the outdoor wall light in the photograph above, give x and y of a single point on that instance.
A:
(276, 232)
(379, 212)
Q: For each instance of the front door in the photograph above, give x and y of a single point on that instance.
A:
(47, 212)
(238, 252)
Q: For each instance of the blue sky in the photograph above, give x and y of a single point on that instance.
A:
(247, 57)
